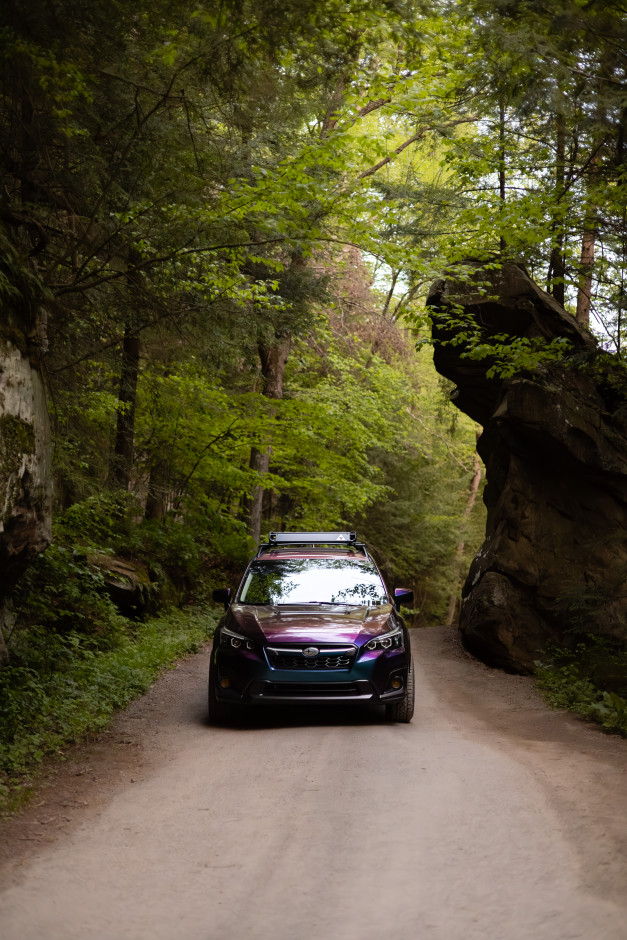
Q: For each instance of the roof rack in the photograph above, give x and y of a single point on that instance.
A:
(348, 539)
(311, 538)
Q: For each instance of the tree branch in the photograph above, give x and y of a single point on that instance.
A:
(78, 288)
(411, 140)
(202, 454)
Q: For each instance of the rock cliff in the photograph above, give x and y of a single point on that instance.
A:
(25, 474)
(554, 443)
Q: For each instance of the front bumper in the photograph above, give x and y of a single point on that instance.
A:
(245, 678)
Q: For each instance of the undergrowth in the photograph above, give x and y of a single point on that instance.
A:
(60, 686)
(590, 680)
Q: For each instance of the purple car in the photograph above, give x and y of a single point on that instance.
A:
(311, 622)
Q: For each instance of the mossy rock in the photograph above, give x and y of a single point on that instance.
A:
(128, 585)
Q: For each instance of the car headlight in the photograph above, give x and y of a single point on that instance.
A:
(389, 641)
(235, 640)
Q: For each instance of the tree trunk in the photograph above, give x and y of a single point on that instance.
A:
(584, 294)
(502, 158)
(591, 220)
(124, 451)
(588, 241)
(156, 499)
(557, 268)
(273, 358)
(473, 490)
(122, 462)
(273, 361)
(260, 462)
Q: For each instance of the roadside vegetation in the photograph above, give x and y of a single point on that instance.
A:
(589, 680)
(60, 686)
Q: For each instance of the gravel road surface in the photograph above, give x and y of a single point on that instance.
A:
(490, 817)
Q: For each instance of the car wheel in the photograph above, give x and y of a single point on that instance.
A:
(219, 712)
(403, 710)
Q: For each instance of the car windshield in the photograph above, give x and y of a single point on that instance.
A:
(313, 581)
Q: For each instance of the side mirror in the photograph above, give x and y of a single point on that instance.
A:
(403, 596)
(222, 596)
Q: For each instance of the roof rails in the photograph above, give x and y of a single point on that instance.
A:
(311, 538)
(349, 539)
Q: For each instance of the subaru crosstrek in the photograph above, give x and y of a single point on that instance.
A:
(312, 622)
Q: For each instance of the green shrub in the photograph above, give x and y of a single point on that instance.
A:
(98, 520)
(590, 680)
(61, 594)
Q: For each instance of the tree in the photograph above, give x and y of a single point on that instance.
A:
(554, 76)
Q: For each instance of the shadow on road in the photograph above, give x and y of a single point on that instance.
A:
(294, 716)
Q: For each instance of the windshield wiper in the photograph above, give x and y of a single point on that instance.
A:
(317, 604)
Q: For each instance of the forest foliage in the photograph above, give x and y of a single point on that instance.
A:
(218, 223)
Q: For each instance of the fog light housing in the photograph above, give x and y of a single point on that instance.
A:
(397, 682)
(225, 682)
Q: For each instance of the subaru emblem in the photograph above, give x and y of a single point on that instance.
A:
(311, 651)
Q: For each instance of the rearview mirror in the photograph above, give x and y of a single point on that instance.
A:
(403, 596)
(222, 596)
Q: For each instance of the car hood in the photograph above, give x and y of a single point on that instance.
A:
(328, 623)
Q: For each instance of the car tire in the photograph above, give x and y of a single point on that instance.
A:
(404, 709)
(219, 712)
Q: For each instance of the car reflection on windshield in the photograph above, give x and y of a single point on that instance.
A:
(313, 581)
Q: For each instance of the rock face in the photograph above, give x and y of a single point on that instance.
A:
(25, 476)
(554, 562)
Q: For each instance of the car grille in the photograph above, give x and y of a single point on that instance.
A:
(340, 657)
(318, 690)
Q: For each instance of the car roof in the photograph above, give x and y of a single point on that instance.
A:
(279, 554)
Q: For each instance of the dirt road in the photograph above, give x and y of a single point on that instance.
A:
(488, 817)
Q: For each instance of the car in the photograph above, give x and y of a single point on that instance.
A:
(311, 622)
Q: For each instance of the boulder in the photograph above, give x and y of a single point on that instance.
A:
(554, 562)
(25, 477)
(127, 583)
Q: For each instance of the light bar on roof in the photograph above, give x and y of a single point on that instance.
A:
(278, 538)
